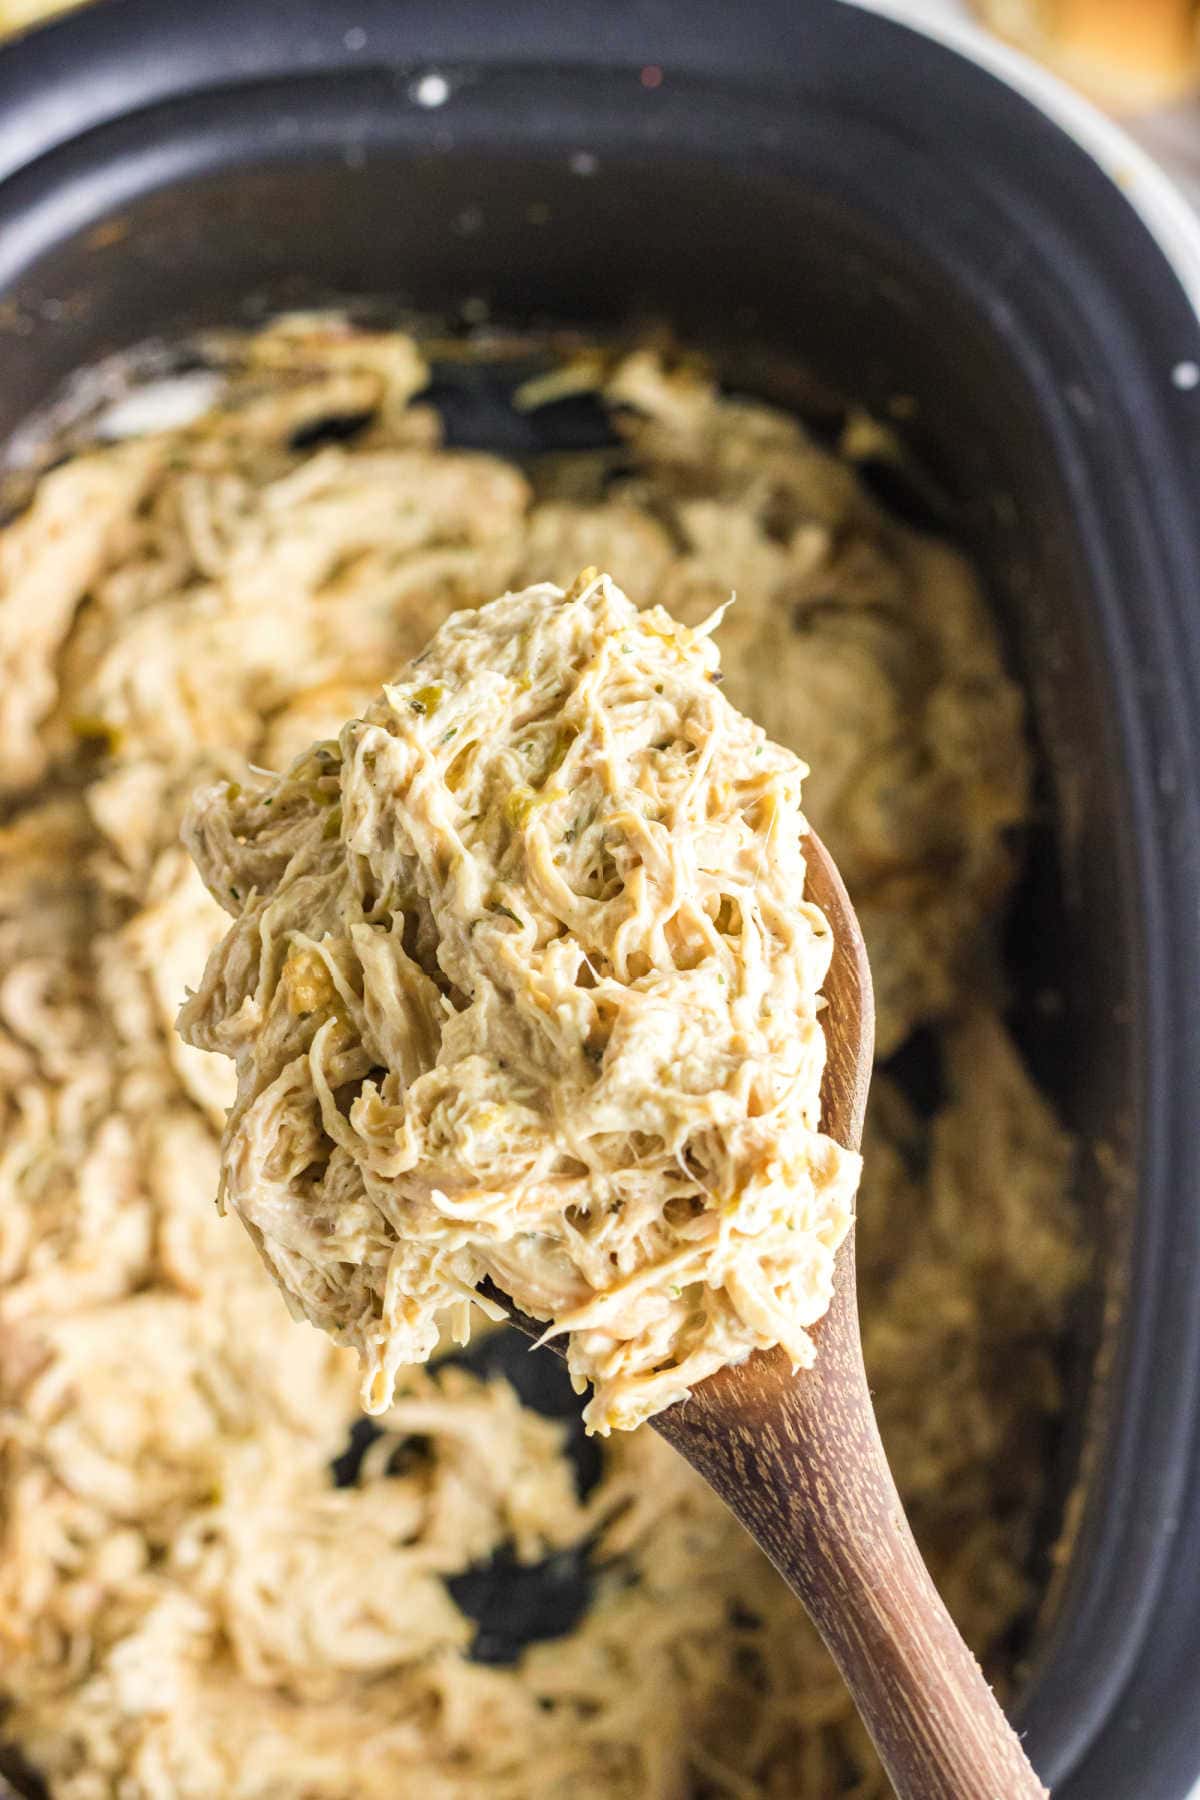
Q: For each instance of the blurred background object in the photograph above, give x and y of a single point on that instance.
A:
(1128, 54)
(15, 15)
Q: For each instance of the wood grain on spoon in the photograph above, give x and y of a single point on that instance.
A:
(799, 1460)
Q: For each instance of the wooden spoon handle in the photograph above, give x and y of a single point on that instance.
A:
(842, 1542)
(799, 1460)
(936, 1724)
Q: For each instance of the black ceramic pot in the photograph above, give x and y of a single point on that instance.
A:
(782, 181)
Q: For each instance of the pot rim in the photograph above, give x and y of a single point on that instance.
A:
(1142, 182)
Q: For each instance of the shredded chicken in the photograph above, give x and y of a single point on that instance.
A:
(592, 1076)
(211, 1586)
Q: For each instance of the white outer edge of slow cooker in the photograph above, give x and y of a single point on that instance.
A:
(1161, 205)
(1163, 208)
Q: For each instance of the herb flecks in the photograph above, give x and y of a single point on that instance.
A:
(427, 699)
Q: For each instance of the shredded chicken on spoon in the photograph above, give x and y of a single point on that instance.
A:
(523, 986)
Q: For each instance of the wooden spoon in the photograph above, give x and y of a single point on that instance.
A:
(799, 1460)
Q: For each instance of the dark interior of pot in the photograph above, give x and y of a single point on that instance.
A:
(797, 289)
(800, 290)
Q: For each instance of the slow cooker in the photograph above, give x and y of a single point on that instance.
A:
(813, 183)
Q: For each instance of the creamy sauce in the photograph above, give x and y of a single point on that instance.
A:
(524, 986)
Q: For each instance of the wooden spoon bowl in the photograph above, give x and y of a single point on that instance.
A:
(799, 1460)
